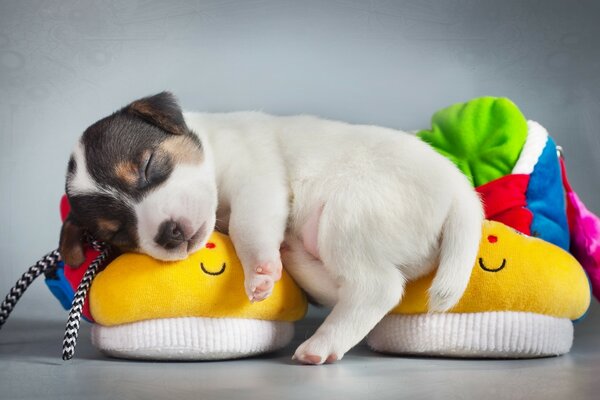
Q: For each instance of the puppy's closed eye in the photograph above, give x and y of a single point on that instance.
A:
(138, 174)
(145, 167)
(155, 167)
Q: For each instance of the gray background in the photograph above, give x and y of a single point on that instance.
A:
(64, 64)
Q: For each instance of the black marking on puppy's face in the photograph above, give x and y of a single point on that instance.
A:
(127, 155)
(72, 166)
(106, 219)
(128, 150)
(122, 154)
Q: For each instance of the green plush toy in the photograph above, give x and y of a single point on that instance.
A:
(483, 137)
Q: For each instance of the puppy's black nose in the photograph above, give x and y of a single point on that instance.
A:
(170, 235)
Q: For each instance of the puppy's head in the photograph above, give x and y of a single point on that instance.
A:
(140, 180)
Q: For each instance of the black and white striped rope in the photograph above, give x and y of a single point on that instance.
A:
(47, 262)
(96, 245)
(46, 265)
(73, 322)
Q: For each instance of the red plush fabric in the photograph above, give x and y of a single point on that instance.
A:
(505, 201)
(64, 208)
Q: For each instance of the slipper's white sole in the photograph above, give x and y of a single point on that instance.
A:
(192, 338)
(500, 334)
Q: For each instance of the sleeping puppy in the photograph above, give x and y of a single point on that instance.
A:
(353, 211)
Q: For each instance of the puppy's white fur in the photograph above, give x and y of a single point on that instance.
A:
(177, 200)
(82, 182)
(362, 209)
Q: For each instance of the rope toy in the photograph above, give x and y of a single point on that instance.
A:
(47, 265)
(43, 266)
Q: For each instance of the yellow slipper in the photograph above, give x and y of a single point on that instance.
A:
(195, 309)
(523, 294)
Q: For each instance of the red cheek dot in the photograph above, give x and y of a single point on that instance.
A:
(492, 239)
(210, 245)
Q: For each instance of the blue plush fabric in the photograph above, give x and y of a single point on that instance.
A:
(61, 288)
(546, 199)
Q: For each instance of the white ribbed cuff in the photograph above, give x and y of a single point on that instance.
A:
(501, 334)
(192, 338)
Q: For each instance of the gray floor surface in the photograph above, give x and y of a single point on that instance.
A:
(31, 368)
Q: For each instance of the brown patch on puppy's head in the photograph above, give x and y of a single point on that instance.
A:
(71, 243)
(127, 171)
(161, 110)
(183, 149)
(108, 225)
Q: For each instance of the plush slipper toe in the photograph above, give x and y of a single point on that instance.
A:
(195, 309)
(521, 300)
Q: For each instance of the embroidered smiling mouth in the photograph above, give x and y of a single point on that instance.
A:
(483, 267)
(210, 272)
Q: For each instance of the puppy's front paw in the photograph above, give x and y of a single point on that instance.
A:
(259, 282)
(270, 268)
(258, 287)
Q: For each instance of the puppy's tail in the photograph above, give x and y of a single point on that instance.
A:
(460, 238)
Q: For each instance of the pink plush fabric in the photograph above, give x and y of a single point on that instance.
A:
(585, 241)
(585, 235)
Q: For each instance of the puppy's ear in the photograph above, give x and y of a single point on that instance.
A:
(71, 243)
(160, 110)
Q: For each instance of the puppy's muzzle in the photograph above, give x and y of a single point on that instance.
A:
(173, 234)
(170, 235)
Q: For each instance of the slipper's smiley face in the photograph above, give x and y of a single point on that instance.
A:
(492, 239)
(514, 272)
(209, 283)
(209, 271)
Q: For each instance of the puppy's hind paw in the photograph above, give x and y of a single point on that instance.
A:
(312, 359)
(316, 351)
